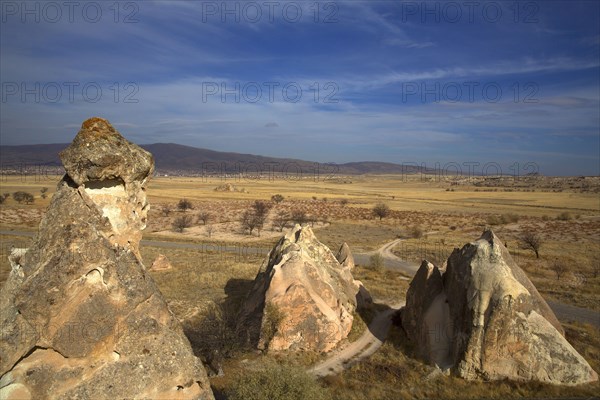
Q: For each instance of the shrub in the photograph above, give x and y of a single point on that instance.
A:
(272, 318)
(44, 192)
(564, 216)
(274, 381)
(277, 198)
(502, 219)
(166, 210)
(381, 210)
(377, 262)
(299, 217)
(560, 268)
(255, 217)
(23, 197)
(204, 217)
(184, 205)
(416, 232)
(343, 202)
(181, 223)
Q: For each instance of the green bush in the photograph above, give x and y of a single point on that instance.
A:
(377, 262)
(273, 317)
(273, 381)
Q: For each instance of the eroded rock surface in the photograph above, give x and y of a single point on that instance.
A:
(483, 318)
(302, 298)
(161, 263)
(81, 317)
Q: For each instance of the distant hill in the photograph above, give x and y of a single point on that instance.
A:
(176, 159)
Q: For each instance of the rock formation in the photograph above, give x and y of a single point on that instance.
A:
(161, 263)
(483, 318)
(302, 298)
(81, 317)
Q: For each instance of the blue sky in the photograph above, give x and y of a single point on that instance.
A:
(420, 82)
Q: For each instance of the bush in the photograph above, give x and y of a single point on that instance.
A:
(272, 318)
(204, 217)
(343, 202)
(181, 223)
(274, 381)
(381, 210)
(23, 197)
(166, 210)
(277, 198)
(564, 216)
(377, 262)
(560, 268)
(184, 205)
(416, 232)
(502, 219)
(299, 217)
(255, 217)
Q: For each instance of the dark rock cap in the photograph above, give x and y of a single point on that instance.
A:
(99, 152)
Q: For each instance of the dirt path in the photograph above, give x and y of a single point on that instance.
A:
(365, 346)
(390, 260)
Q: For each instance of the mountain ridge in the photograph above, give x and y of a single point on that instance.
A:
(178, 159)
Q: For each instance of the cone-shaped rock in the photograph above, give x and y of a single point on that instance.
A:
(302, 298)
(81, 317)
(483, 318)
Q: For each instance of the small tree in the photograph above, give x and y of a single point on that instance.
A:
(180, 223)
(532, 241)
(255, 217)
(281, 220)
(344, 202)
(23, 197)
(184, 205)
(204, 216)
(299, 217)
(43, 192)
(381, 210)
(277, 198)
(560, 268)
(261, 208)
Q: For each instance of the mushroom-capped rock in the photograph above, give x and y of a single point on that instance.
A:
(111, 174)
(81, 317)
(100, 153)
(302, 298)
(484, 319)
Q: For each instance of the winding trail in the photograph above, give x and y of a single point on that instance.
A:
(365, 346)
